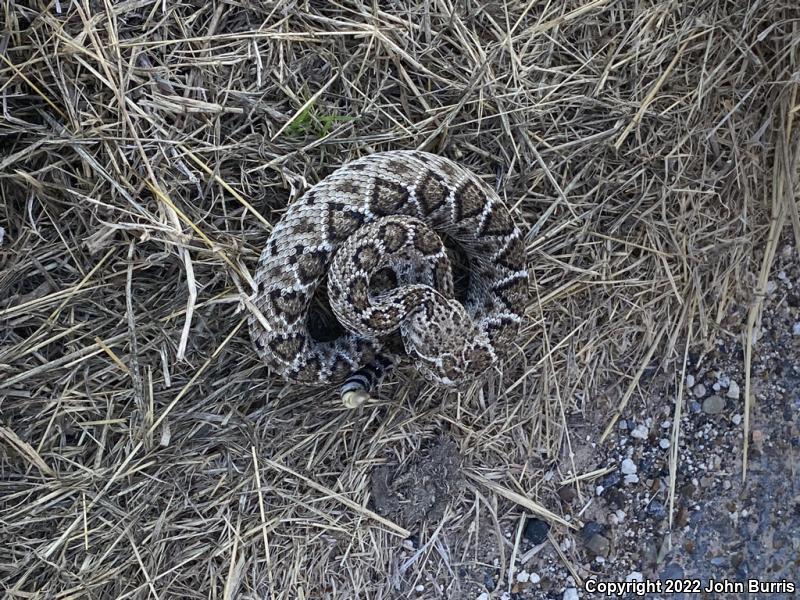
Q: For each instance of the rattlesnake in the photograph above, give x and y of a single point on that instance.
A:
(387, 213)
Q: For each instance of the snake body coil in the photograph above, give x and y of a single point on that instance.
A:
(389, 211)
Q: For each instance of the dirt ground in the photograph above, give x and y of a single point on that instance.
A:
(648, 149)
(723, 528)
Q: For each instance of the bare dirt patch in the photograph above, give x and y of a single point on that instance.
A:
(420, 490)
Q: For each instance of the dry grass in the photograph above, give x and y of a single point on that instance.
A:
(646, 147)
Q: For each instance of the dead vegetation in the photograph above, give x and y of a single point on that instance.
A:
(646, 147)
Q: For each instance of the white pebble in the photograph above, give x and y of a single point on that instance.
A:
(666, 424)
(571, 594)
(717, 387)
(736, 419)
(634, 576)
(534, 579)
(664, 444)
(419, 588)
(483, 596)
(639, 432)
(620, 515)
(523, 576)
(632, 478)
(628, 467)
(699, 390)
(733, 390)
(796, 328)
(690, 380)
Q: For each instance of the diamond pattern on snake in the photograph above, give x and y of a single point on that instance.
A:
(388, 212)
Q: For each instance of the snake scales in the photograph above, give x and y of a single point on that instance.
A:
(387, 213)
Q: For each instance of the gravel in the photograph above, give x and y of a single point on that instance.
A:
(571, 594)
(713, 405)
(536, 530)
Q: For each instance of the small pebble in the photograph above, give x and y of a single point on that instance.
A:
(639, 432)
(483, 596)
(664, 444)
(567, 493)
(672, 571)
(571, 593)
(534, 578)
(690, 380)
(737, 419)
(632, 478)
(713, 405)
(733, 390)
(657, 510)
(419, 588)
(628, 467)
(488, 580)
(536, 530)
(611, 480)
(694, 406)
(796, 328)
(523, 576)
(699, 390)
(634, 576)
(599, 545)
(591, 528)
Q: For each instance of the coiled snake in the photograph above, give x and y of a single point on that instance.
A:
(387, 213)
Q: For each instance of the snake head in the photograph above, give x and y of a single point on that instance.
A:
(444, 342)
